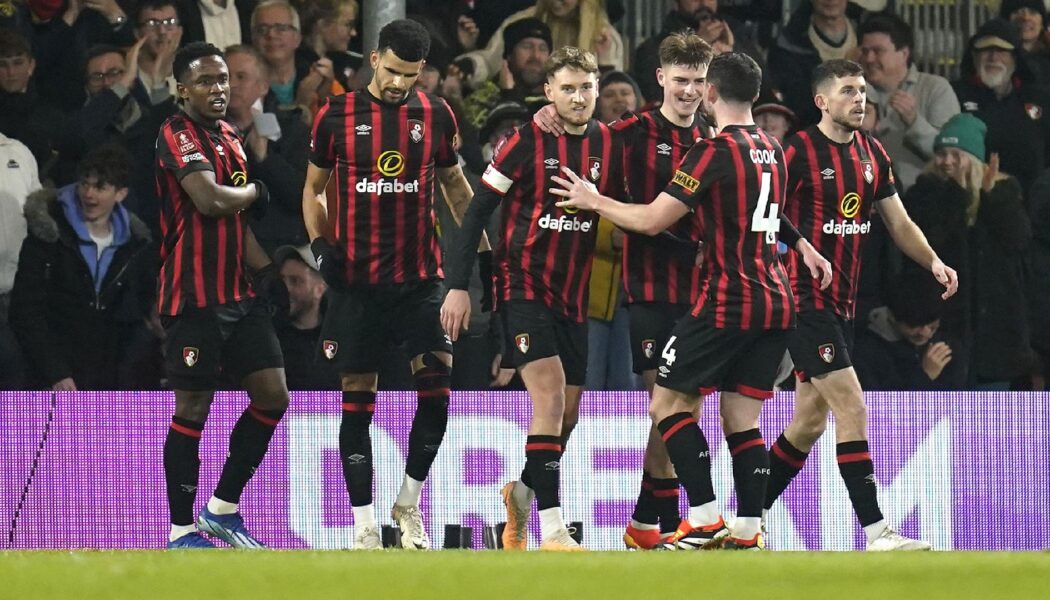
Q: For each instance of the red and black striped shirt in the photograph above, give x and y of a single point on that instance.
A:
(545, 252)
(831, 192)
(381, 199)
(736, 183)
(202, 258)
(660, 268)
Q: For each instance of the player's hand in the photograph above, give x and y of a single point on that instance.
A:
(268, 284)
(906, 106)
(936, 358)
(262, 200)
(455, 313)
(578, 192)
(819, 267)
(485, 275)
(501, 376)
(548, 121)
(331, 263)
(64, 385)
(946, 276)
(991, 172)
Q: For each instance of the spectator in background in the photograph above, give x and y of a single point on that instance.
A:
(580, 23)
(997, 86)
(973, 215)
(158, 22)
(24, 115)
(277, 146)
(275, 34)
(816, 33)
(328, 27)
(617, 94)
(221, 23)
(1030, 18)
(913, 105)
(1039, 276)
(871, 117)
(86, 278)
(17, 181)
(904, 347)
(772, 116)
(299, 332)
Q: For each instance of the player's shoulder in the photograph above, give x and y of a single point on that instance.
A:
(875, 146)
(627, 122)
(176, 122)
(425, 98)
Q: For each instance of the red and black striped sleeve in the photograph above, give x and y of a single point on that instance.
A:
(513, 152)
(448, 139)
(699, 171)
(322, 138)
(886, 184)
(180, 150)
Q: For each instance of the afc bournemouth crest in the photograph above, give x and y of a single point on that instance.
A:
(415, 130)
(648, 348)
(869, 173)
(522, 342)
(1035, 112)
(827, 353)
(594, 168)
(329, 348)
(190, 355)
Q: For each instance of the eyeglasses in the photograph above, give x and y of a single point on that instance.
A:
(264, 30)
(109, 75)
(169, 23)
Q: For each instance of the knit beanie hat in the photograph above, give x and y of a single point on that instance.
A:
(965, 132)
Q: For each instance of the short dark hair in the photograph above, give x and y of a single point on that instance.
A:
(191, 52)
(834, 69)
(898, 30)
(109, 163)
(736, 76)
(407, 39)
(685, 48)
(145, 5)
(13, 43)
(98, 50)
(573, 58)
(915, 299)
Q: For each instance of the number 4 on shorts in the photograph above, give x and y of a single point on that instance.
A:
(668, 353)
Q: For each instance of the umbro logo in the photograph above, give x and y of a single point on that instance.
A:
(188, 488)
(552, 163)
(356, 459)
(431, 448)
(870, 479)
(828, 173)
(364, 129)
(664, 149)
(553, 465)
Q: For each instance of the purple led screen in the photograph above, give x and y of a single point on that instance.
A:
(965, 471)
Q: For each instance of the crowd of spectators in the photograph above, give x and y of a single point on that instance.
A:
(86, 84)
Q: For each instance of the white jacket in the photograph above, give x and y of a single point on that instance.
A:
(18, 178)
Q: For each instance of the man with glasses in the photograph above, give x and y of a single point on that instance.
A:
(222, 23)
(158, 23)
(276, 35)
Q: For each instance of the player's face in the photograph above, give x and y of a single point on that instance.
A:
(616, 99)
(883, 64)
(98, 199)
(684, 87)
(393, 77)
(305, 288)
(573, 93)
(843, 99)
(952, 163)
(919, 335)
(206, 90)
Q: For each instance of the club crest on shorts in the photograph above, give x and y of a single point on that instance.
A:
(826, 352)
(416, 130)
(648, 348)
(522, 342)
(190, 355)
(330, 348)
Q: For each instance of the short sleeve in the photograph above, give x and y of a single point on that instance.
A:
(702, 167)
(448, 143)
(887, 185)
(180, 150)
(322, 139)
(510, 154)
(795, 159)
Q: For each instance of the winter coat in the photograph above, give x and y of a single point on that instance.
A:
(1039, 282)
(991, 258)
(886, 361)
(65, 327)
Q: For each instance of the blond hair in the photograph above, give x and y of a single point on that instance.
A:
(581, 29)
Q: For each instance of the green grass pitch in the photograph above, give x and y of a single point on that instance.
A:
(231, 574)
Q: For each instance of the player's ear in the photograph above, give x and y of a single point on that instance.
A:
(660, 76)
(547, 91)
(184, 94)
(373, 60)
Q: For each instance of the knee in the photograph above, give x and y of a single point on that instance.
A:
(433, 379)
(193, 408)
(274, 401)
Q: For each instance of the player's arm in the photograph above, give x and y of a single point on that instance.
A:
(214, 200)
(455, 311)
(650, 219)
(912, 242)
(254, 255)
(315, 201)
(457, 192)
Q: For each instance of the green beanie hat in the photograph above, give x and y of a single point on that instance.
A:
(965, 132)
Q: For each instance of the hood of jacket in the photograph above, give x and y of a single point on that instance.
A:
(44, 206)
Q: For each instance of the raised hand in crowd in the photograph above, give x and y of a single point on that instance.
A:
(906, 106)
(131, 63)
(467, 32)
